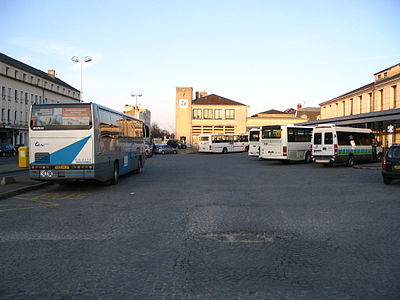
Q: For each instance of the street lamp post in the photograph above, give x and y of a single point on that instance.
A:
(136, 106)
(81, 60)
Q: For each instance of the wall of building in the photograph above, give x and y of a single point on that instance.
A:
(264, 121)
(382, 95)
(222, 126)
(19, 90)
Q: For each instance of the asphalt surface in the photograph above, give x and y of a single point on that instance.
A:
(206, 227)
(9, 168)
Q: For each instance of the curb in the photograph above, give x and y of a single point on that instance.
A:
(24, 189)
(366, 168)
(13, 171)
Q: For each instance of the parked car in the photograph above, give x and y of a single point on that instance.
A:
(165, 149)
(7, 150)
(391, 164)
(176, 144)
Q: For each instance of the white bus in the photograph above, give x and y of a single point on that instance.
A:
(333, 144)
(84, 141)
(254, 142)
(223, 143)
(286, 143)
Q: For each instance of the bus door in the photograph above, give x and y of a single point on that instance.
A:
(323, 144)
(231, 145)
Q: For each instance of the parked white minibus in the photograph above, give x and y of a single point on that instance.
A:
(254, 142)
(223, 143)
(286, 142)
(335, 144)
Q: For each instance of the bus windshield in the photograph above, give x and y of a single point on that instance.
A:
(61, 117)
(204, 138)
(271, 132)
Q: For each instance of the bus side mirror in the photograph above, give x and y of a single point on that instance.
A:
(146, 131)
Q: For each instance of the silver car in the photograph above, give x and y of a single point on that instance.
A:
(165, 149)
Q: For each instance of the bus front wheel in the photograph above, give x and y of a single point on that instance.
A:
(139, 166)
(114, 179)
(308, 158)
(224, 150)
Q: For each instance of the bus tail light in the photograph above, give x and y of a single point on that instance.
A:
(335, 149)
(384, 163)
(284, 151)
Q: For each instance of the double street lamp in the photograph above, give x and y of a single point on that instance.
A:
(136, 95)
(81, 60)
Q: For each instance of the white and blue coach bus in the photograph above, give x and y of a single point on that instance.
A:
(84, 141)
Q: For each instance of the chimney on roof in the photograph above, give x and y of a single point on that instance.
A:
(299, 106)
(200, 94)
(52, 73)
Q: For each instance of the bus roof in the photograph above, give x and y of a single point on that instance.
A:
(86, 103)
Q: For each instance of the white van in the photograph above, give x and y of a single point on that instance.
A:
(335, 144)
(286, 143)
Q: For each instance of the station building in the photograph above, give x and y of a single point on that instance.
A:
(213, 114)
(375, 106)
(21, 86)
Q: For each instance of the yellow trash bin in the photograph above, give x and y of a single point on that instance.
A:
(23, 157)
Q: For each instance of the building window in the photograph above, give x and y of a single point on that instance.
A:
(196, 113)
(218, 114)
(7, 70)
(26, 98)
(230, 114)
(393, 92)
(344, 107)
(24, 77)
(380, 100)
(16, 95)
(371, 103)
(2, 115)
(32, 79)
(16, 74)
(360, 104)
(351, 106)
(207, 113)
(385, 75)
(3, 93)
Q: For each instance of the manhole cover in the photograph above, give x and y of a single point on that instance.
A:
(240, 237)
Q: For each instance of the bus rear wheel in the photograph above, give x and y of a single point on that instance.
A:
(350, 161)
(114, 179)
(224, 150)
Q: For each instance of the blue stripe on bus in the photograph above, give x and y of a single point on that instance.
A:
(65, 155)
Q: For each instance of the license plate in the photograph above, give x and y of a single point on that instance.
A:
(61, 167)
(397, 167)
(270, 152)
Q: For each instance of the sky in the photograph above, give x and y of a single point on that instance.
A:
(262, 53)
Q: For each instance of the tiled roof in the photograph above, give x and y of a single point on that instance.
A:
(272, 112)
(20, 65)
(215, 100)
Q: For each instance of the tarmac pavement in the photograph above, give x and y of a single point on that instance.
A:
(22, 182)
